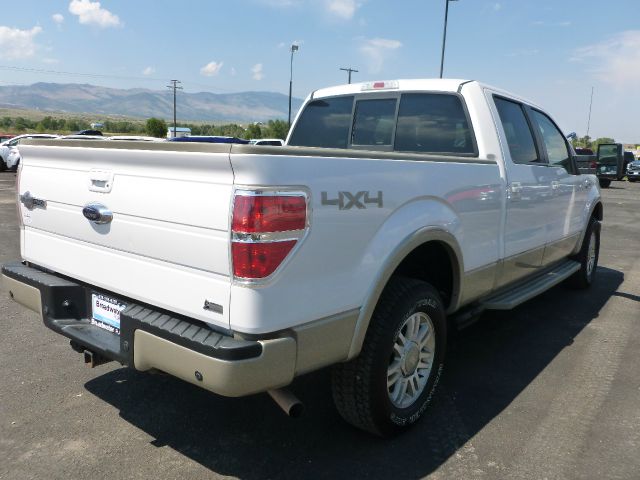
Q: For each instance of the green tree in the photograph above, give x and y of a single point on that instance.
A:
(156, 127)
(598, 141)
(277, 129)
(254, 131)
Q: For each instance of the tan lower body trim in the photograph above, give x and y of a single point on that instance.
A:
(23, 294)
(325, 342)
(272, 369)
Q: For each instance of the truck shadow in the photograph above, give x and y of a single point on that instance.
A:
(488, 366)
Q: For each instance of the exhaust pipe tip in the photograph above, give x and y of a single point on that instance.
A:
(287, 401)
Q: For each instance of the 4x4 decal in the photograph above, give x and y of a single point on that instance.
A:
(348, 200)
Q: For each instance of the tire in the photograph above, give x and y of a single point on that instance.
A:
(632, 180)
(587, 257)
(3, 166)
(407, 309)
(604, 182)
(15, 167)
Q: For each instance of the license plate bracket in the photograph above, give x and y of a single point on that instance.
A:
(105, 312)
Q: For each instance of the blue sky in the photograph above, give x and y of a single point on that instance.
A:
(549, 51)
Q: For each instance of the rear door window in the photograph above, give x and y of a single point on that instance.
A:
(374, 122)
(433, 123)
(324, 123)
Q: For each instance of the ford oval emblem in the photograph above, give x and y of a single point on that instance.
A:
(97, 213)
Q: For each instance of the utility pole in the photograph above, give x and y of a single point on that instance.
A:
(349, 70)
(444, 37)
(294, 48)
(589, 119)
(175, 87)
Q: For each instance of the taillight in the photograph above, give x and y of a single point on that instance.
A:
(18, 175)
(265, 228)
(593, 165)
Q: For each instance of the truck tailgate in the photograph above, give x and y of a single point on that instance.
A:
(168, 242)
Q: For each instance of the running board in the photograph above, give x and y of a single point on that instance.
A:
(514, 297)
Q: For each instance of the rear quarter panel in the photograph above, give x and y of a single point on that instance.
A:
(333, 270)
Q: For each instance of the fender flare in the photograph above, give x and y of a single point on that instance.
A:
(404, 248)
(597, 203)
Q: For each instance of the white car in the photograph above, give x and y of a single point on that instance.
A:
(9, 154)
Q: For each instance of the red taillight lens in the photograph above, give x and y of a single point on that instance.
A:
(262, 214)
(259, 260)
(265, 228)
(593, 165)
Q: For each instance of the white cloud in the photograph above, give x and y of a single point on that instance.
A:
(149, 71)
(281, 3)
(256, 72)
(92, 13)
(616, 59)
(57, 18)
(497, 7)
(377, 50)
(343, 9)
(233, 72)
(211, 69)
(16, 43)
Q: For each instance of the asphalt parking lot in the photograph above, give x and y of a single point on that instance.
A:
(549, 390)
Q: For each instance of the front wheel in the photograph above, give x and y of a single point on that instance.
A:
(604, 182)
(389, 385)
(587, 257)
(3, 166)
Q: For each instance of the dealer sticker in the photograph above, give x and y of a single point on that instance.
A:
(106, 313)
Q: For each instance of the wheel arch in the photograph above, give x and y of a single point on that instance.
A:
(596, 209)
(425, 243)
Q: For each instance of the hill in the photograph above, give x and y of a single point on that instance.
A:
(144, 103)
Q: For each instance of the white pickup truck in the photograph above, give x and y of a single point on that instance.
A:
(397, 211)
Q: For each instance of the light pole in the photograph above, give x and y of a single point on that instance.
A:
(444, 37)
(294, 48)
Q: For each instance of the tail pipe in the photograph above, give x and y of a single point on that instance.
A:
(287, 401)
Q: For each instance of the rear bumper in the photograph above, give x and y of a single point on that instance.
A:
(152, 339)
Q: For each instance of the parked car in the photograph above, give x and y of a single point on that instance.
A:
(9, 153)
(94, 133)
(612, 161)
(209, 139)
(82, 137)
(275, 142)
(633, 171)
(396, 212)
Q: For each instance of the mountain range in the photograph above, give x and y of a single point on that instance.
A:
(145, 103)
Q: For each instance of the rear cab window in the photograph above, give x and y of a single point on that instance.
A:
(425, 122)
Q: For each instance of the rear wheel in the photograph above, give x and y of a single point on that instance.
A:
(3, 166)
(604, 182)
(389, 385)
(588, 257)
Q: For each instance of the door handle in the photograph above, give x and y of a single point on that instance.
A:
(555, 185)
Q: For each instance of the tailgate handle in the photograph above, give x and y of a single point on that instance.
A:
(100, 181)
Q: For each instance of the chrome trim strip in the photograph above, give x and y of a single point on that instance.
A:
(268, 237)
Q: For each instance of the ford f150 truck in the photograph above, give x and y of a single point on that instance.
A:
(396, 211)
